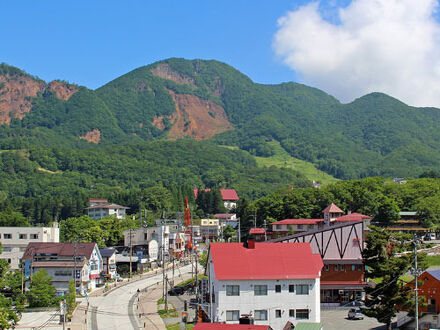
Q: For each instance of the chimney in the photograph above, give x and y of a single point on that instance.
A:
(251, 244)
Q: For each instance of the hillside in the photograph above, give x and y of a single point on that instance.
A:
(176, 98)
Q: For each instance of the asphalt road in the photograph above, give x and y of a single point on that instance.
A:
(116, 309)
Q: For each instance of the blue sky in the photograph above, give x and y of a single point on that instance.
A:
(93, 42)
(347, 48)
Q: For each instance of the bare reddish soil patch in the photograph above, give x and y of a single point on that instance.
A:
(197, 118)
(92, 136)
(62, 91)
(164, 71)
(15, 96)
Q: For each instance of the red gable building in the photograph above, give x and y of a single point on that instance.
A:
(230, 197)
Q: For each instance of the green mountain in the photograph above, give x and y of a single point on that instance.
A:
(208, 100)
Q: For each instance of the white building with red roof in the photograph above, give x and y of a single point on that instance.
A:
(276, 283)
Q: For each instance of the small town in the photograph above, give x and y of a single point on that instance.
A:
(220, 165)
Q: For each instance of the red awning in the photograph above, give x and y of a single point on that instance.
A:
(94, 276)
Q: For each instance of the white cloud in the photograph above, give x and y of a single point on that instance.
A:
(389, 46)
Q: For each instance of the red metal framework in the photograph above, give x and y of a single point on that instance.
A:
(188, 231)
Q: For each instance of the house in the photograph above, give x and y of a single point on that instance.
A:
(177, 245)
(399, 180)
(108, 263)
(275, 283)
(14, 241)
(100, 208)
(227, 219)
(64, 262)
(229, 196)
(430, 289)
(222, 326)
(210, 229)
(340, 246)
(258, 234)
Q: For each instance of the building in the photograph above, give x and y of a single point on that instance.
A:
(210, 229)
(258, 234)
(340, 246)
(275, 283)
(64, 262)
(108, 263)
(14, 241)
(227, 219)
(100, 208)
(408, 223)
(177, 245)
(332, 215)
(229, 196)
(430, 289)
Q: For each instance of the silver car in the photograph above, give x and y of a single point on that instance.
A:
(355, 314)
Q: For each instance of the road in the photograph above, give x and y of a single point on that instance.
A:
(116, 309)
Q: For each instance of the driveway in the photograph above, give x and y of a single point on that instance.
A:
(336, 319)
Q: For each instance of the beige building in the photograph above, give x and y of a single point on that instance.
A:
(14, 240)
(100, 208)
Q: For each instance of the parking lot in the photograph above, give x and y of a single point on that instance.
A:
(336, 319)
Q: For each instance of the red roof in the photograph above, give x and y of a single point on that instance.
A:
(234, 261)
(353, 217)
(221, 326)
(60, 249)
(257, 231)
(332, 208)
(227, 194)
(298, 222)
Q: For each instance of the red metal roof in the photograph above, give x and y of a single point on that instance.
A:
(332, 208)
(221, 326)
(353, 217)
(234, 261)
(343, 283)
(257, 231)
(60, 249)
(227, 194)
(298, 222)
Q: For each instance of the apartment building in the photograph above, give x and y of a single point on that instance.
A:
(14, 241)
(100, 208)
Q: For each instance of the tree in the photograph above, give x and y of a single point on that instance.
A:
(428, 210)
(41, 292)
(71, 298)
(229, 232)
(387, 212)
(382, 262)
(12, 219)
(8, 317)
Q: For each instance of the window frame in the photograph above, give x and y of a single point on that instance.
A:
(259, 291)
(291, 313)
(299, 289)
(300, 311)
(233, 313)
(234, 290)
(277, 288)
(291, 288)
(277, 313)
(260, 311)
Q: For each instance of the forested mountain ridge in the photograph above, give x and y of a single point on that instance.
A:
(373, 135)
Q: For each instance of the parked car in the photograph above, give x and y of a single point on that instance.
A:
(430, 237)
(176, 291)
(355, 314)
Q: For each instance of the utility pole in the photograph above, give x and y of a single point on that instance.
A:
(74, 263)
(265, 234)
(166, 292)
(131, 251)
(416, 272)
(255, 219)
(239, 230)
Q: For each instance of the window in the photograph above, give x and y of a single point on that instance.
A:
(291, 287)
(353, 267)
(300, 226)
(7, 249)
(302, 289)
(358, 267)
(232, 290)
(260, 290)
(336, 267)
(232, 315)
(291, 313)
(34, 236)
(145, 236)
(63, 273)
(302, 314)
(278, 288)
(278, 226)
(327, 267)
(342, 267)
(7, 236)
(22, 236)
(261, 315)
(277, 313)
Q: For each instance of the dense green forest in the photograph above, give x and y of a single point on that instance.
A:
(377, 197)
(54, 183)
(376, 135)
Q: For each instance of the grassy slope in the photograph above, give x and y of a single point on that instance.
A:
(283, 159)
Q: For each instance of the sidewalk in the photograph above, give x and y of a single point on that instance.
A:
(147, 309)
